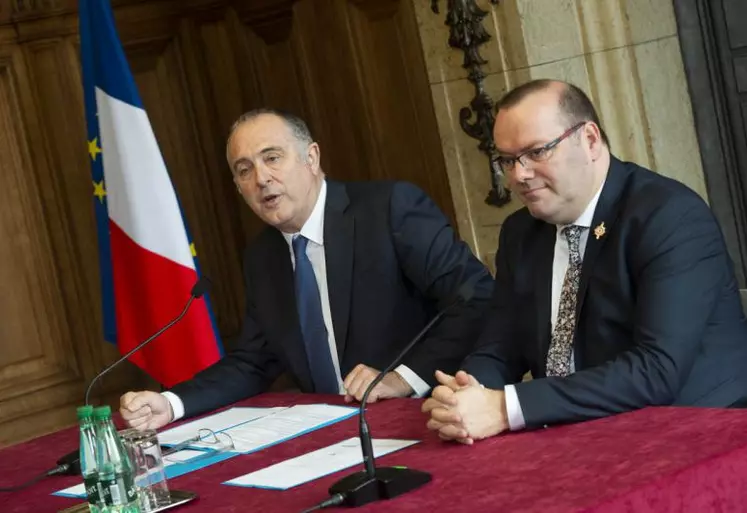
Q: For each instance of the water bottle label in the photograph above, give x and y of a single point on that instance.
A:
(114, 491)
(130, 489)
(92, 489)
(106, 493)
(119, 491)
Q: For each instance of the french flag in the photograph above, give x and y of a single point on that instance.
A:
(147, 262)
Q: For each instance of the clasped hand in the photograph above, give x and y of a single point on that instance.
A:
(356, 383)
(461, 409)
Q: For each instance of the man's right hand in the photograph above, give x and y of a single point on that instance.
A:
(145, 410)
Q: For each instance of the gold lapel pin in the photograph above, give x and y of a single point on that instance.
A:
(600, 230)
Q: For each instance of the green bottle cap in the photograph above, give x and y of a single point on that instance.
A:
(102, 412)
(85, 412)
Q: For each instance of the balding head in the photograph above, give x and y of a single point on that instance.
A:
(572, 102)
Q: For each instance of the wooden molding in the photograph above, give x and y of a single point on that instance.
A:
(6, 11)
(14, 11)
(24, 7)
(269, 19)
(377, 9)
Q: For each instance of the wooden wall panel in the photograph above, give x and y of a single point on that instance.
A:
(352, 68)
(396, 94)
(39, 361)
(220, 214)
(228, 92)
(336, 108)
(273, 66)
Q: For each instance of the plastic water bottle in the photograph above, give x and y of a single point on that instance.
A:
(115, 470)
(88, 466)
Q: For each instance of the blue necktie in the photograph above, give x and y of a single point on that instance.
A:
(315, 337)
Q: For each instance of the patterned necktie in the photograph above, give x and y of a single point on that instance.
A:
(315, 337)
(561, 344)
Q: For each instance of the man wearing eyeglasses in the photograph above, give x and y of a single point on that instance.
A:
(613, 286)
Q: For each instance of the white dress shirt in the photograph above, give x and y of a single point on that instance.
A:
(559, 267)
(313, 230)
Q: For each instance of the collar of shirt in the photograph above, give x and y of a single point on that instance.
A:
(587, 216)
(313, 228)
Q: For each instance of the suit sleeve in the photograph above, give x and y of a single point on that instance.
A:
(497, 359)
(249, 369)
(679, 267)
(437, 263)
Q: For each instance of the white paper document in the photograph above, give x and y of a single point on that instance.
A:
(218, 422)
(77, 491)
(286, 424)
(316, 464)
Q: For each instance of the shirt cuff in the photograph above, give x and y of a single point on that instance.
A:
(177, 406)
(513, 408)
(420, 388)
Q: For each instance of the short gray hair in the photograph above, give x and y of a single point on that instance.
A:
(298, 126)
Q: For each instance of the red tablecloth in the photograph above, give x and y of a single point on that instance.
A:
(655, 460)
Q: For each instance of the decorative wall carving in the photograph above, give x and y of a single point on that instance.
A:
(466, 33)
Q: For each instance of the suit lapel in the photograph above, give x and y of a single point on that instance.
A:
(280, 270)
(603, 223)
(339, 236)
(544, 253)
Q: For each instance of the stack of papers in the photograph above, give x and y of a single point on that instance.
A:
(253, 429)
(316, 464)
(217, 423)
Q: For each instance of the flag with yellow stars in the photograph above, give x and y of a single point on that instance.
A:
(147, 261)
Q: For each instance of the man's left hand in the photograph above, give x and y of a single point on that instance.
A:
(356, 383)
(461, 409)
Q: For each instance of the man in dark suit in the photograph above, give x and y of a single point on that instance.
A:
(613, 286)
(341, 279)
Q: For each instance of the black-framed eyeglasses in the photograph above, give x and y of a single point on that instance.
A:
(539, 154)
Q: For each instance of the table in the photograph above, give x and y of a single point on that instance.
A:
(652, 460)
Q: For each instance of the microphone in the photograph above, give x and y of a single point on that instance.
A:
(372, 484)
(71, 461)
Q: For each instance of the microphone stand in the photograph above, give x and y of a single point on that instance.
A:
(372, 483)
(138, 347)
